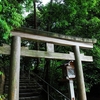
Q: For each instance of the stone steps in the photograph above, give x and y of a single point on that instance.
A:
(30, 98)
(28, 89)
(28, 94)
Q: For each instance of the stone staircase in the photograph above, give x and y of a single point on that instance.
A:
(29, 89)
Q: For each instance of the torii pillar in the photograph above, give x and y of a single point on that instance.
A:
(79, 75)
(14, 69)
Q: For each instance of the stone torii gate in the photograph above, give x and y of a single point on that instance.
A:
(51, 39)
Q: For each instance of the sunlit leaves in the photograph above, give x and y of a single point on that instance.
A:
(4, 29)
(95, 21)
(92, 3)
(17, 19)
(10, 18)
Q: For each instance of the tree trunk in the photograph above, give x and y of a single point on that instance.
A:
(35, 27)
(35, 19)
(47, 65)
(48, 61)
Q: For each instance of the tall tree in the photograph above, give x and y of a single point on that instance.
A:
(35, 19)
(35, 27)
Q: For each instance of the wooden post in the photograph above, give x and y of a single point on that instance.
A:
(14, 69)
(50, 48)
(72, 95)
(79, 75)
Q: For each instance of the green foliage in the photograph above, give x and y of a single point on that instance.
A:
(4, 29)
(10, 18)
(0, 8)
(3, 97)
(1, 73)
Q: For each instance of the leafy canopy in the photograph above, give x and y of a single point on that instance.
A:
(10, 17)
